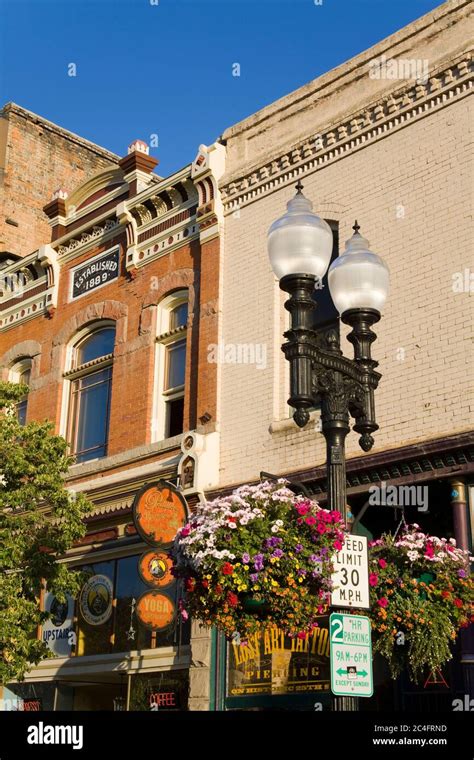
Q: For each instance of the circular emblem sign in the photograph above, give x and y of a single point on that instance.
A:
(155, 568)
(155, 610)
(95, 600)
(159, 511)
(58, 611)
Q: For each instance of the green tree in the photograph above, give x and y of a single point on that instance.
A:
(39, 521)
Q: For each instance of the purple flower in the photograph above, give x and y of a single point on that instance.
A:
(258, 562)
(462, 573)
(314, 558)
(270, 543)
(277, 553)
(298, 548)
(302, 572)
(245, 558)
(253, 577)
(324, 551)
(316, 572)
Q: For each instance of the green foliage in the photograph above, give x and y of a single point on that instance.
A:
(39, 521)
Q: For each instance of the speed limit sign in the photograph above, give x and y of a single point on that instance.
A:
(351, 574)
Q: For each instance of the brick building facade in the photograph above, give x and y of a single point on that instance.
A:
(37, 157)
(109, 323)
(385, 138)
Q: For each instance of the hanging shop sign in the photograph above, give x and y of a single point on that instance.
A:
(351, 655)
(95, 600)
(274, 664)
(155, 610)
(159, 511)
(155, 568)
(351, 574)
(58, 630)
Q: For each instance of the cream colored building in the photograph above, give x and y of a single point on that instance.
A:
(395, 154)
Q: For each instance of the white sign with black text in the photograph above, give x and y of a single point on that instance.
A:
(351, 574)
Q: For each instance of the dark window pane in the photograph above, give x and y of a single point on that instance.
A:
(175, 410)
(21, 409)
(97, 344)
(90, 414)
(179, 316)
(175, 365)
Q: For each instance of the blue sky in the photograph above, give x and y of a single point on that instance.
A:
(164, 67)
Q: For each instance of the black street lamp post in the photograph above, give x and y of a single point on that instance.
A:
(299, 246)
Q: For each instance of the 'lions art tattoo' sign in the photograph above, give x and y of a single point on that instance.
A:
(96, 272)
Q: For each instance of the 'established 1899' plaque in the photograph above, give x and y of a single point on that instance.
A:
(95, 272)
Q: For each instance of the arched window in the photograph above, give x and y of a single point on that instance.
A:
(90, 378)
(171, 363)
(20, 373)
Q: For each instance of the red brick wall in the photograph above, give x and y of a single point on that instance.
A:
(37, 157)
(132, 303)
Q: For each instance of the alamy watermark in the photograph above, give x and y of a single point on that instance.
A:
(399, 496)
(238, 353)
(399, 68)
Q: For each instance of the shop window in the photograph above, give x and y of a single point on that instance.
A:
(107, 620)
(21, 373)
(171, 364)
(90, 380)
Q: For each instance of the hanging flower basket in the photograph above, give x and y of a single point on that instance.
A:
(257, 559)
(421, 595)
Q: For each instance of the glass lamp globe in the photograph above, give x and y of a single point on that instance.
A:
(359, 278)
(300, 242)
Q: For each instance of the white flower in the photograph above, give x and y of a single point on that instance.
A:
(279, 523)
(275, 528)
(232, 525)
(413, 555)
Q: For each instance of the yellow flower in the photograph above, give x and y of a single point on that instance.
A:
(255, 588)
(274, 583)
(244, 587)
(300, 580)
(246, 567)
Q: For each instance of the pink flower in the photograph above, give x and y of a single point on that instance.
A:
(310, 520)
(301, 635)
(302, 509)
(383, 602)
(321, 528)
(382, 563)
(338, 545)
(185, 531)
(429, 551)
(373, 579)
(184, 615)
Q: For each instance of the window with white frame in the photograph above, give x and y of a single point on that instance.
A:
(21, 373)
(90, 378)
(171, 364)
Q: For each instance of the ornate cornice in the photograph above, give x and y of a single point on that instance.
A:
(98, 232)
(373, 122)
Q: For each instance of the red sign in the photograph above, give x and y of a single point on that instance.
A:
(159, 511)
(155, 610)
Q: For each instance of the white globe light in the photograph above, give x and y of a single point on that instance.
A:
(359, 278)
(300, 242)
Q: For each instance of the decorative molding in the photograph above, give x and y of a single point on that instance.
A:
(373, 122)
(98, 232)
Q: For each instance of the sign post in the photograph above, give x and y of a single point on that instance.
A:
(351, 574)
(351, 655)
